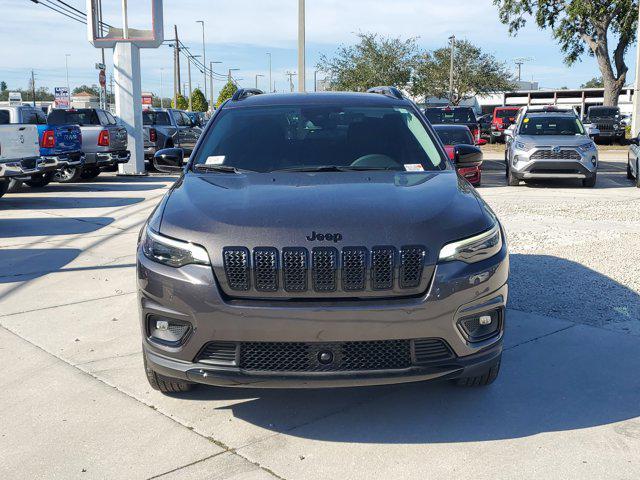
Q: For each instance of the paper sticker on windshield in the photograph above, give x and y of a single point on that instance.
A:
(526, 120)
(215, 160)
(414, 167)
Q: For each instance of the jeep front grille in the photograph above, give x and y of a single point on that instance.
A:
(343, 356)
(551, 155)
(325, 270)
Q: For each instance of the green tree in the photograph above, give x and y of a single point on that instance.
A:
(3, 86)
(475, 73)
(372, 62)
(227, 92)
(198, 102)
(183, 103)
(602, 28)
(595, 82)
(93, 90)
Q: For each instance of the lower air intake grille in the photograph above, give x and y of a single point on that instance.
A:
(221, 353)
(306, 357)
(431, 350)
(236, 267)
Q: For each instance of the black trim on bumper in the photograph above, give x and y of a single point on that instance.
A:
(234, 377)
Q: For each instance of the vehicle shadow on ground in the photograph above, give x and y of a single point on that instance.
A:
(19, 202)
(19, 265)
(43, 227)
(556, 376)
(102, 187)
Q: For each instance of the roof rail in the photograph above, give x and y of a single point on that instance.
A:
(243, 93)
(392, 92)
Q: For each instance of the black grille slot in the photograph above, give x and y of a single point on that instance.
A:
(236, 268)
(551, 155)
(354, 268)
(265, 269)
(382, 264)
(346, 356)
(324, 266)
(218, 353)
(431, 350)
(411, 266)
(295, 265)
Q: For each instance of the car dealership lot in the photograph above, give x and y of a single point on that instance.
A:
(567, 403)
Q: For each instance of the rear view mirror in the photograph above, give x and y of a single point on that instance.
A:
(467, 156)
(169, 160)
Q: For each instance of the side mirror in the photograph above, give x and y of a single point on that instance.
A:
(481, 142)
(592, 130)
(509, 131)
(467, 156)
(634, 141)
(169, 160)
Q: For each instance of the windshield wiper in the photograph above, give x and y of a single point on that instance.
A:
(203, 167)
(334, 168)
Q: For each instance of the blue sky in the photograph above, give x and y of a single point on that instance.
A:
(240, 35)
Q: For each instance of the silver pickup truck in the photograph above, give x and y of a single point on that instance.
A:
(19, 152)
(168, 128)
(104, 142)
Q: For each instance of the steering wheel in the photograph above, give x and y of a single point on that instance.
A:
(376, 160)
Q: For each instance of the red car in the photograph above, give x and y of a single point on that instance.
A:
(453, 136)
(503, 118)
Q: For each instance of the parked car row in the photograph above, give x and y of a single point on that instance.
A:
(72, 144)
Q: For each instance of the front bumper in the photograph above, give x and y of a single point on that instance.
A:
(106, 159)
(190, 294)
(525, 165)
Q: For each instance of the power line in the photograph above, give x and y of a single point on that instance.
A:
(59, 11)
(67, 10)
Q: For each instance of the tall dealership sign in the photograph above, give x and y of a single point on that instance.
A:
(61, 97)
(126, 43)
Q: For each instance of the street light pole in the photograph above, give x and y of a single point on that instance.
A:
(258, 76)
(452, 39)
(66, 64)
(211, 106)
(270, 76)
(232, 70)
(161, 89)
(204, 59)
(301, 46)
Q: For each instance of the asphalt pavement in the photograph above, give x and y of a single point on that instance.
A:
(75, 402)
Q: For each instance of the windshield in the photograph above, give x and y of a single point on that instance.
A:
(86, 116)
(457, 115)
(506, 113)
(455, 136)
(551, 126)
(265, 139)
(155, 118)
(603, 112)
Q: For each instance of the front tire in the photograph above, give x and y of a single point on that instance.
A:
(590, 182)
(67, 174)
(40, 180)
(165, 384)
(512, 181)
(629, 172)
(4, 186)
(485, 378)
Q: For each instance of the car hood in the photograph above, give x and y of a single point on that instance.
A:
(284, 209)
(553, 140)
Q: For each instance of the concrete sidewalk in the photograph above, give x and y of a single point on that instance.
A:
(76, 404)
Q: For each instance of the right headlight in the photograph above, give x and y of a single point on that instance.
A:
(474, 249)
(171, 252)
(520, 146)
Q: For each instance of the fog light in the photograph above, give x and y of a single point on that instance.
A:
(481, 327)
(594, 161)
(167, 330)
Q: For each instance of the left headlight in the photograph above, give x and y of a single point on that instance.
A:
(586, 147)
(474, 249)
(171, 252)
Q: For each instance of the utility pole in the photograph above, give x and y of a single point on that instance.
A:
(111, 85)
(290, 75)
(315, 80)
(66, 64)
(204, 59)
(33, 87)
(176, 67)
(189, 73)
(452, 39)
(270, 76)
(636, 94)
(258, 76)
(161, 89)
(232, 70)
(301, 46)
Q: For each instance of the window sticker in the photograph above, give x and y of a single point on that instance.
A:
(526, 120)
(414, 167)
(215, 160)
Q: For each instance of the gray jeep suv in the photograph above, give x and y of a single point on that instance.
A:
(320, 240)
